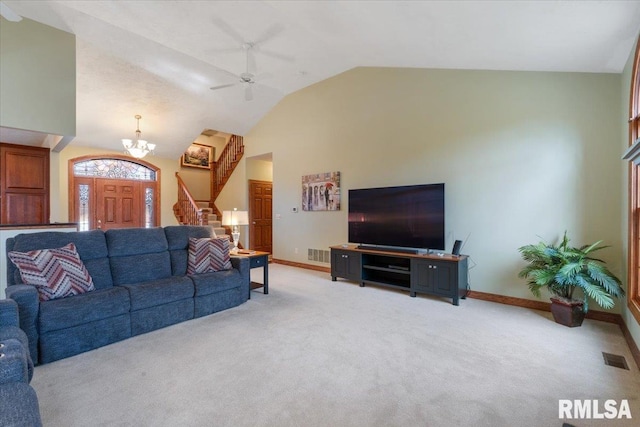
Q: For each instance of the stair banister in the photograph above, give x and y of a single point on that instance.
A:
(226, 163)
(187, 209)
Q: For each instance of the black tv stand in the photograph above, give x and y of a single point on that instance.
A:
(441, 275)
(388, 249)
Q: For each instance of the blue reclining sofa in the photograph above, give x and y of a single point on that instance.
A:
(18, 401)
(141, 284)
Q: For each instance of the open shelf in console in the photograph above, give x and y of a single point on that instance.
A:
(386, 270)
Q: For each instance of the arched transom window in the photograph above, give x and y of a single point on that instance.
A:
(113, 168)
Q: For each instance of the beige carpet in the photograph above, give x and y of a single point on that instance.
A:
(320, 353)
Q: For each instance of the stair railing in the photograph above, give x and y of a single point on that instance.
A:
(187, 210)
(226, 163)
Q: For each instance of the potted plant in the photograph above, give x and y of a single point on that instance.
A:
(564, 269)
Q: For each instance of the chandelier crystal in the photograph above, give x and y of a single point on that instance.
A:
(138, 148)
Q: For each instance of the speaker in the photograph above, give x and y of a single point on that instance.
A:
(456, 247)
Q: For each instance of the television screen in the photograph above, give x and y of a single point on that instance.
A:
(408, 217)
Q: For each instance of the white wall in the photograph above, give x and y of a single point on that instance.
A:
(522, 155)
(37, 78)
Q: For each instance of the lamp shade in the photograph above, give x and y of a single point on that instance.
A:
(235, 217)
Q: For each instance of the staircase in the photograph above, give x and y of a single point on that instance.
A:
(212, 219)
(191, 212)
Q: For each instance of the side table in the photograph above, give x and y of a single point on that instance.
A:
(257, 259)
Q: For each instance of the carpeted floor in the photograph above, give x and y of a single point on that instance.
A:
(320, 353)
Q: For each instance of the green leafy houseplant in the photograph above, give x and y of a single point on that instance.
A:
(563, 269)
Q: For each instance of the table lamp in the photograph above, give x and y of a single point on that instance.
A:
(233, 219)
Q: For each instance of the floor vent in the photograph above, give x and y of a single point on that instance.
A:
(319, 255)
(615, 360)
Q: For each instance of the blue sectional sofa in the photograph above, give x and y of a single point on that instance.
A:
(18, 401)
(141, 284)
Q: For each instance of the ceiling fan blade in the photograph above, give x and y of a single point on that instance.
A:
(226, 28)
(269, 33)
(225, 50)
(287, 58)
(248, 93)
(9, 14)
(251, 61)
(222, 86)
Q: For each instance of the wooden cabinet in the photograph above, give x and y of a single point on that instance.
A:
(417, 273)
(437, 277)
(24, 184)
(345, 264)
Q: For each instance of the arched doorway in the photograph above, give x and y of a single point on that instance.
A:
(113, 191)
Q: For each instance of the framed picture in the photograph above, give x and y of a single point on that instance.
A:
(321, 192)
(198, 156)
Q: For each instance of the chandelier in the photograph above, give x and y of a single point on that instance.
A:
(138, 148)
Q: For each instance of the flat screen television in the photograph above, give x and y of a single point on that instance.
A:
(410, 217)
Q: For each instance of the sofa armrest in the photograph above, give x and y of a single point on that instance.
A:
(8, 313)
(242, 265)
(13, 362)
(26, 297)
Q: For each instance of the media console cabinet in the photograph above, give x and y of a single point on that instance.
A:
(444, 276)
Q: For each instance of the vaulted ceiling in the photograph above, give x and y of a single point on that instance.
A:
(160, 58)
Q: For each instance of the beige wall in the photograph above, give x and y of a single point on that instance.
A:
(60, 182)
(259, 170)
(37, 78)
(522, 154)
(625, 85)
(197, 181)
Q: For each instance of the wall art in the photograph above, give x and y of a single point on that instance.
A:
(198, 156)
(321, 192)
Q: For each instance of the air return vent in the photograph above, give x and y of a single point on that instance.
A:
(615, 360)
(319, 255)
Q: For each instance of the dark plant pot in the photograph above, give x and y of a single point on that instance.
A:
(567, 313)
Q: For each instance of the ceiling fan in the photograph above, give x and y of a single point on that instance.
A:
(247, 79)
(9, 14)
(250, 48)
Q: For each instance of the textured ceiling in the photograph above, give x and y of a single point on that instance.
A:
(159, 58)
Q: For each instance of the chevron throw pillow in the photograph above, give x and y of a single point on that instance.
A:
(207, 255)
(56, 273)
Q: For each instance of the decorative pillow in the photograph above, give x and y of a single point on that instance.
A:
(56, 273)
(207, 255)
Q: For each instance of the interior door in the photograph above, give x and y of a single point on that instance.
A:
(117, 204)
(260, 215)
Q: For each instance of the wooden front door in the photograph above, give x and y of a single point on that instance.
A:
(113, 191)
(260, 215)
(24, 184)
(118, 204)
